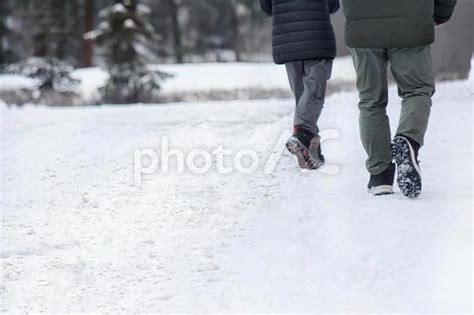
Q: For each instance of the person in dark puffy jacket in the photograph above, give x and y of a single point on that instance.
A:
(399, 33)
(304, 40)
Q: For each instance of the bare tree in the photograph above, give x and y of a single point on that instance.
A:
(235, 7)
(87, 47)
(174, 7)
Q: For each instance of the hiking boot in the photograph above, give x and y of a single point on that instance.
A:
(405, 152)
(382, 184)
(306, 147)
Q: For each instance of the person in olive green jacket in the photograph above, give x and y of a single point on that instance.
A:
(399, 33)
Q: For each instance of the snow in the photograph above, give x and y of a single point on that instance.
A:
(203, 77)
(91, 80)
(225, 76)
(79, 236)
(129, 23)
(143, 9)
(13, 82)
(119, 7)
(194, 77)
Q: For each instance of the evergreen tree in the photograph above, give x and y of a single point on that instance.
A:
(52, 74)
(123, 36)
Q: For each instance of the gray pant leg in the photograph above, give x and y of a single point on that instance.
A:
(308, 80)
(412, 69)
(295, 72)
(371, 68)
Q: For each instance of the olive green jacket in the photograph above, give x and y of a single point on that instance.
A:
(394, 23)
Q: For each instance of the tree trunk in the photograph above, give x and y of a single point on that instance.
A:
(3, 30)
(235, 28)
(87, 48)
(2, 52)
(178, 46)
(41, 12)
(60, 29)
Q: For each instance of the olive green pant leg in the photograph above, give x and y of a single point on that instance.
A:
(412, 69)
(371, 68)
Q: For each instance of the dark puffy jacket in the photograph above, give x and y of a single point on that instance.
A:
(394, 23)
(302, 29)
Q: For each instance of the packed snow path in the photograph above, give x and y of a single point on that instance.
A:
(79, 236)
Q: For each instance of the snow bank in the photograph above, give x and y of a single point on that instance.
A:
(201, 80)
(205, 77)
(227, 76)
(91, 80)
(13, 82)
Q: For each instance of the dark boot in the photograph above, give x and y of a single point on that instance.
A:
(405, 152)
(306, 147)
(382, 184)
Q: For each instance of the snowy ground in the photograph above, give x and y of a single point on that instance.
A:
(79, 236)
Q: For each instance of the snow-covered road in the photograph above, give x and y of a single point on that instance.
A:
(79, 236)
